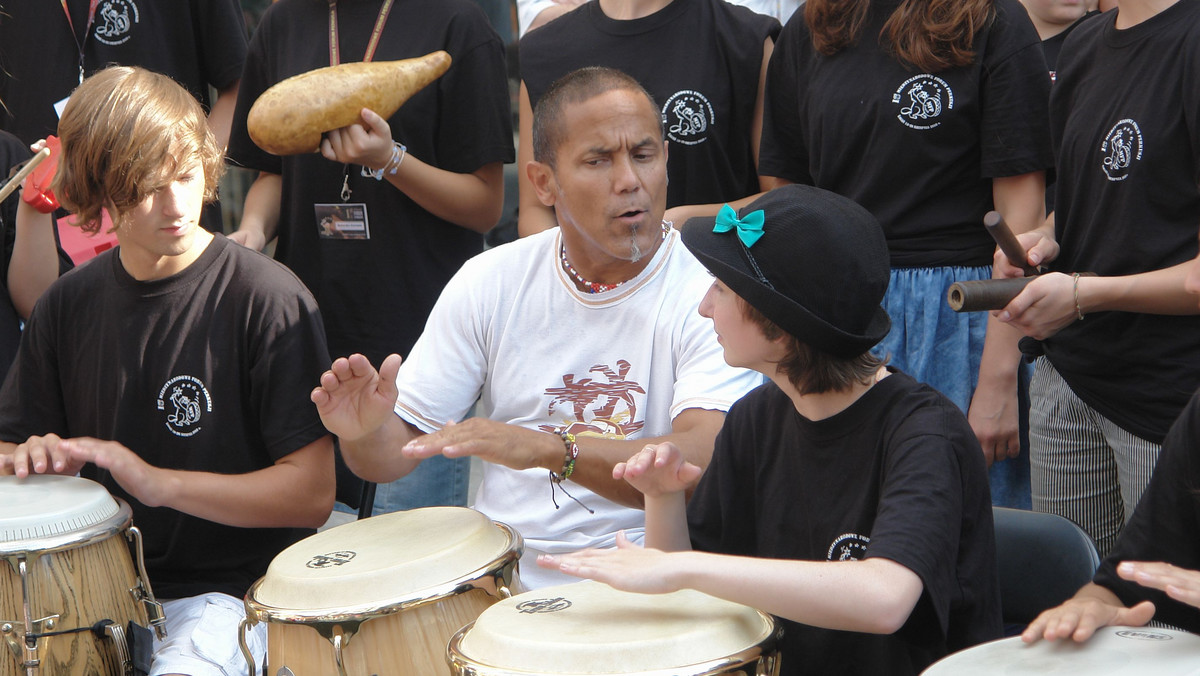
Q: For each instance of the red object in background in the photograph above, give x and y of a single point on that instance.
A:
(81, 246)
(37, 193)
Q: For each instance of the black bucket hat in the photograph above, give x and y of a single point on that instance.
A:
(812, 261)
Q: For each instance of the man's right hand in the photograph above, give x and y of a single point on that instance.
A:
(353, 399)
(40, 455)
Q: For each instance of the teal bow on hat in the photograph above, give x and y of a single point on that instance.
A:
(749, 229)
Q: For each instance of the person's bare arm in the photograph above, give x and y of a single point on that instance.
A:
(297, 491)
(875, 595)
(34, 263)
(472, 200)
(693, 431)
(260, 215)
(993, 409)
(220, 116)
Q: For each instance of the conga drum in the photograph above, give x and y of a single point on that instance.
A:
(381, 595)
(74, 578)
(1112, 651)
(591, 628)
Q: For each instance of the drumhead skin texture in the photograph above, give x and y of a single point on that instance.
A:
(45, 505)
(591, 628)
(1113, 651)
(385, 558)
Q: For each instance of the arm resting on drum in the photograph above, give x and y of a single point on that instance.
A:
(875, 595)
(1080, 616)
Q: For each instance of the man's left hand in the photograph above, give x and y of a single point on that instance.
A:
(513, 446)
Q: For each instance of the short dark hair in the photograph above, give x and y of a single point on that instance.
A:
(576, 87)
(808, 369)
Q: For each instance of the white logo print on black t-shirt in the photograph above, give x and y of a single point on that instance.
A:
(1120, 149)
(688, 116)
(114, 21)
(185, 400)
(922, 100)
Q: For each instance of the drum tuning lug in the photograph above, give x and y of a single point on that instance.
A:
(8, 629)
(142, 593)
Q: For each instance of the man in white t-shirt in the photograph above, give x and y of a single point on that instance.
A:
(580, 344)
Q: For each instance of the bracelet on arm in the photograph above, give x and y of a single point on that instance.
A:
(1078, 311)
(399, 151)
(570, 453)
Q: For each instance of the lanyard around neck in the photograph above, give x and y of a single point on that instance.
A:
(79, 43)
(334, 51)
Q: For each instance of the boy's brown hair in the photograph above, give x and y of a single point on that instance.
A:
(127, 133)
(808, 369)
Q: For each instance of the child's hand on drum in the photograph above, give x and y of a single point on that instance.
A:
(629, 567)
(1080, 616)
(657, 470)
(40, 455)
(1181, 584)
(353, 398)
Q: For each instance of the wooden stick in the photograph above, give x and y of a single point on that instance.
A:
(26, 170)
(1004, 237)
(988, 294)
(985, 294)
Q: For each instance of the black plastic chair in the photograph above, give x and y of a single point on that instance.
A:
(1043, 560)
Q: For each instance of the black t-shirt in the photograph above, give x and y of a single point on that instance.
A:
(206, 370)
(918, 150)
(196, 42)
(897, 475)
(376, 293)
(1127, 140)
(1166, 524)
(1052, 47)
(699, 59)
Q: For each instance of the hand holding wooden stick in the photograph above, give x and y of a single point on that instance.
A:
(15, 181)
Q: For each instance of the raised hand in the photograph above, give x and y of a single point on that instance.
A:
(353, 398)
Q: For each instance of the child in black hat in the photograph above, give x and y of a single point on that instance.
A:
(861, 494)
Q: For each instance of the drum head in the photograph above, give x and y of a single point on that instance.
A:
(47, 506)
(591, 628)
(386, 558)
(1113, 651)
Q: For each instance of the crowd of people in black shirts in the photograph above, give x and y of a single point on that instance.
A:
(724, 322)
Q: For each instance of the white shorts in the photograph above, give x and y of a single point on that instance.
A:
(202, 638)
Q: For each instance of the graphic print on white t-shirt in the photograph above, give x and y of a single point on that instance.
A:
(601, 403)
(1121, 148)
(923, 99)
